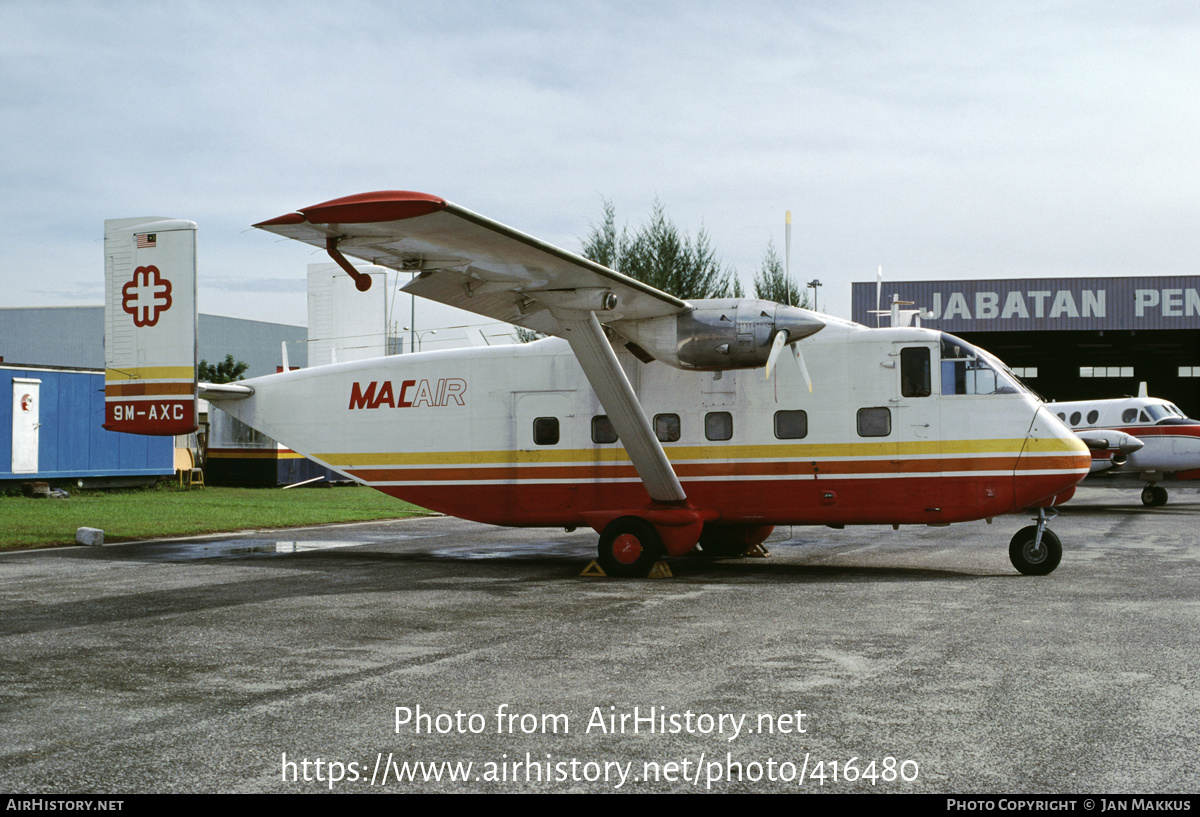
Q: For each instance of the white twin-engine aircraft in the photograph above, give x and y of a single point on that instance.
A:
(1136, 442)
(660, 423)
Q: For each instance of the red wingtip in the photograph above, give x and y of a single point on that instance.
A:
(365, 208)
(290, 218)
(383, 205)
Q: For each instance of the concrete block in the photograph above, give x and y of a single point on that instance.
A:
(89, 536)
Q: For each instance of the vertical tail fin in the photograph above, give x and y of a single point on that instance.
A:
(150, 326)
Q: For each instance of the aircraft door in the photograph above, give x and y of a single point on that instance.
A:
(542, 434)
(917, 423)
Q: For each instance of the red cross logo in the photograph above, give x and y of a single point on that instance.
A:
(146, 296)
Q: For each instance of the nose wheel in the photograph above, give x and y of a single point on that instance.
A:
(1154, 496)
(1035, 550)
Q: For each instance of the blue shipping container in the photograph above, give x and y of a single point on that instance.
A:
(50, 430)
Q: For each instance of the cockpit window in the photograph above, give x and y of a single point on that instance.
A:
(968, 370)
(1129, 415)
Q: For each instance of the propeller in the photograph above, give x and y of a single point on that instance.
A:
(776, 347)
(878, 292)
(780, 341)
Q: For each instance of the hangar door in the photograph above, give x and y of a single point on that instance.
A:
(25, 425)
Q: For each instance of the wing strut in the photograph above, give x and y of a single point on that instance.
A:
(362, 282)
(594, 353)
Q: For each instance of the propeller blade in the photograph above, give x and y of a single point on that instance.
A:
(776, 347)
(878, 292)
(803, 368)
(787, 255)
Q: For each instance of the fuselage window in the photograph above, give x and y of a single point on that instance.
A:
(874, 422)
(914, 372)
(545, 431)
(718, 425)
(791, 425)
(1093, 415)
(1075, 418)
(1062, 415)
(602, 430)
(666, 427)
(1129, 415)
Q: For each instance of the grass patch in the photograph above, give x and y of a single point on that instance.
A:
(164, 510)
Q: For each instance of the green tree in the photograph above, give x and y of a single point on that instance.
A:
(527, 335)
(226, 371)
(771, 283)
(658, 254)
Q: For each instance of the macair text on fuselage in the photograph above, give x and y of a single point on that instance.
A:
(409, 394)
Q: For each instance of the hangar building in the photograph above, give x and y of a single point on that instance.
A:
(1069, 338)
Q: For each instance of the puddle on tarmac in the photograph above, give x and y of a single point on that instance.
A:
(189, 551)
(517, 550)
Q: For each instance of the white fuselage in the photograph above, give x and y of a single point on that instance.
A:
(515, 435)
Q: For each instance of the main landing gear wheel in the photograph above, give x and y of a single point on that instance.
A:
(1031, 558)
(1154, 496)
(629, 546)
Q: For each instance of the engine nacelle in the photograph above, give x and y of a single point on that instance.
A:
(719, 334)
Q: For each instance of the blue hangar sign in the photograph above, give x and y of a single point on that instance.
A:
(1061, 304)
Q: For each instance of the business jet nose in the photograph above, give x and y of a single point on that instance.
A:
(1052, 462)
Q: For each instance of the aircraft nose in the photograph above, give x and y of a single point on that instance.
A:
(1053, 461)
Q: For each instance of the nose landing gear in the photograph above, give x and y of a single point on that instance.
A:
(1035, 550)
(1154, 496)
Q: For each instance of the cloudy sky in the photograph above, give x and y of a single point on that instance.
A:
(938, 139)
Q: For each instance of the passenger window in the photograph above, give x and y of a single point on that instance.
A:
(914, 372)
(1075, 418)
(1129, 415)
(666, 427)
(545, 431)
(791, 425)
(1062, 415)
(602, 430)
(874, 422)
(718, 425)
(1093, 415)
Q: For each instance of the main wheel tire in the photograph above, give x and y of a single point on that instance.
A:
(1160, 496)
(1148, 496)
(629, 546)
(1032, 560)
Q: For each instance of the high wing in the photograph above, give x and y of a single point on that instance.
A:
(468, 261)
(471, 262)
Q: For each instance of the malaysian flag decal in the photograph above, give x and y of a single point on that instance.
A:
(147, 240)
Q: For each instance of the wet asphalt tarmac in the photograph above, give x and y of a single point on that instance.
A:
(335, 658)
